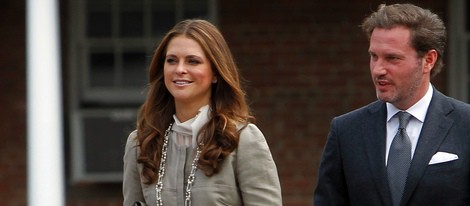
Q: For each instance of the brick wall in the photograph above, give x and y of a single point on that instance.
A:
(304, 61)
(13, 105)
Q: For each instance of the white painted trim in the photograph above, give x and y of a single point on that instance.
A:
(44, 105)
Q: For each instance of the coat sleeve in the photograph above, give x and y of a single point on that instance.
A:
(256, 171)
(131, 186)
(331, 185)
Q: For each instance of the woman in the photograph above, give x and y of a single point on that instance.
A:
(195, 143)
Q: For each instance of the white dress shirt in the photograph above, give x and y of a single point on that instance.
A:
(413, 129)
(185, 133)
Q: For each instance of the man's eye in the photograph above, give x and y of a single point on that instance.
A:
(373, 56)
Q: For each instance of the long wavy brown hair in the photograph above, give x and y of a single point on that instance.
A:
(229, 108)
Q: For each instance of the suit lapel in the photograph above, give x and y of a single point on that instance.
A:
(435, 129)
(375, 148)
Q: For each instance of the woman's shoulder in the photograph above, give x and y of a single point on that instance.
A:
(131, 140)
(132, 136)
(250, 133)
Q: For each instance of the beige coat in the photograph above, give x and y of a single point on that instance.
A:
(248, 176)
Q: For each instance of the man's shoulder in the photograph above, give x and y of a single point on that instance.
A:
(366, 113)
(371, 108)
(455, 103)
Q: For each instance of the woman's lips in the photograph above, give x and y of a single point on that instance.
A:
(182, 82)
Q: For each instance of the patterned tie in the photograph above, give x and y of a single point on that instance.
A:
(399, 159)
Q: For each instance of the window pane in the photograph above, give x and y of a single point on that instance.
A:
(467, 16)
(468, 67)
(131, 18)
(101, 69)
(196, 9)
(163, 17)
(134, 69)
(132, 24)
(98, 18)
(104, 140)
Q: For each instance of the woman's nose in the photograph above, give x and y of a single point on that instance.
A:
(180, 68)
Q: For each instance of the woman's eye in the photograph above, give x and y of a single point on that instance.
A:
(170, 60)
(193, 61)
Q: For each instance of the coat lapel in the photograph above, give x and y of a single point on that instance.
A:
(375, 148)
(435, 129)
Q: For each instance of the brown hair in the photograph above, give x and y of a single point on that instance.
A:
(427, 29)
(228, 105)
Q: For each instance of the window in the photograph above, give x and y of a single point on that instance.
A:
(459, 50)
(110, 46)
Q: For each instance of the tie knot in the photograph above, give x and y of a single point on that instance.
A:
(404, 118)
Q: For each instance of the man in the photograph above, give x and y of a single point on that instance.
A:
(373, 156)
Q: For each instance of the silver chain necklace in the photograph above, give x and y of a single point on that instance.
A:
(161, 172)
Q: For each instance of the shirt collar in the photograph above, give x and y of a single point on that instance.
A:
(193, 125)
(418, 110)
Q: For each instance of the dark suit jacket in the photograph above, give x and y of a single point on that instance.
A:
(353, 172)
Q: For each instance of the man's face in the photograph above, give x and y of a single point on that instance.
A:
(398, 73)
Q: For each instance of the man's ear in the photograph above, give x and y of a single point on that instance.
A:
(429, 60)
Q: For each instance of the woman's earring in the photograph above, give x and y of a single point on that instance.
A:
(214, 81)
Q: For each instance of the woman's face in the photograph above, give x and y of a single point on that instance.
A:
(188, 73)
